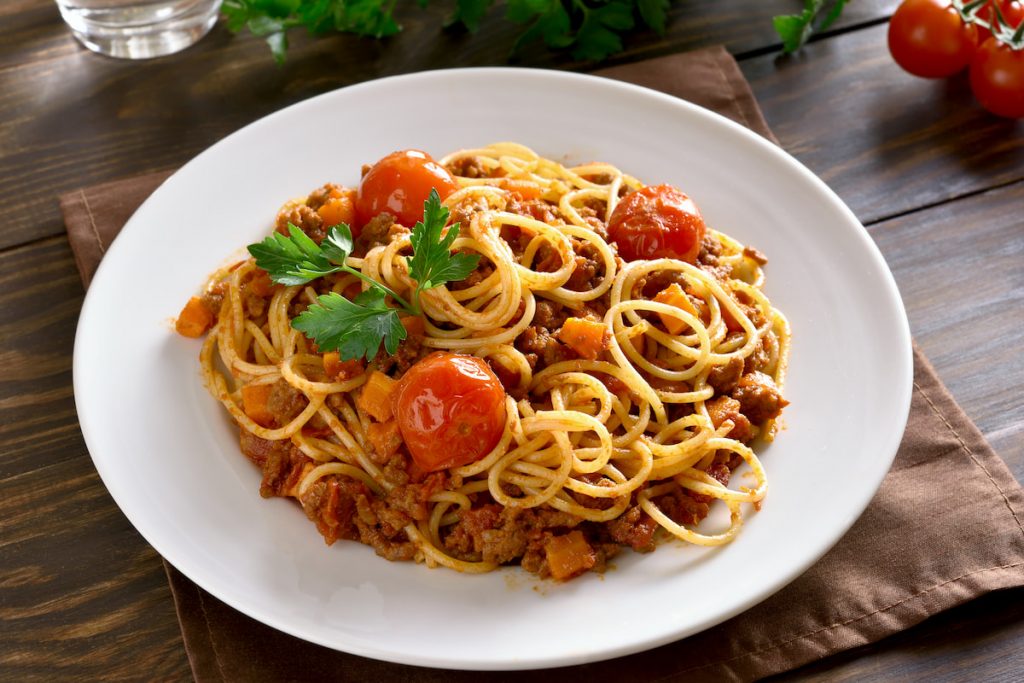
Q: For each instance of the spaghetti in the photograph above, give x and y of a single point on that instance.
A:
(632, 389)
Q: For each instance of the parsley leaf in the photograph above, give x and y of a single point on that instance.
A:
(598, 35)
(432, 263)
(297, 259)
(795, 29)
(654, 13)
(355, 329)
(469, 13)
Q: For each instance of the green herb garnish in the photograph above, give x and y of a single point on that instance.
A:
(357, 328)
(590, 28)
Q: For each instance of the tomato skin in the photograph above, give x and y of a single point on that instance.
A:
(1013, 12)
(450, 410)
(399, 184)
(928, 38)
(657, 221)
(997, 79)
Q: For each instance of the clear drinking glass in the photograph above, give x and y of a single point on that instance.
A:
(138, 29)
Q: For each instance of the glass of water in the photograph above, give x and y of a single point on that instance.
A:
(139, 29)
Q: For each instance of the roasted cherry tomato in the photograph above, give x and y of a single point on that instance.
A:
(658, 221)
(1013, 12)
(997, 78)
(450, 410)
(929, 38)
(399, 184)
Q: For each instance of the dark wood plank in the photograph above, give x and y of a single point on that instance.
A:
(31, 30)
(78, 119)
(82, 596)
(958, 267)
(40, 298)
(885, 141)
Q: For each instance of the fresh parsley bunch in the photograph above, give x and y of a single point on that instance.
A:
(591, 29)
(356, 328)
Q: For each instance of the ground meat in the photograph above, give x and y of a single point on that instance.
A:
(377, 231)
(409, 351)
(724, 377)
(758, 360)
(650, 285)
(305, 219)
(634, 528)
(710, 250)
(755, 254)
(586, 275)
(723, 408)
(550, 315)
(759, 398)
(282, 464)
(285, 402)
(411, 499)
(539, 341)
(330, 504)
(467, 167)
(592, 212)
(493, 533)
(533, 208)
(483, 271)
(682, 508)
(319, 196)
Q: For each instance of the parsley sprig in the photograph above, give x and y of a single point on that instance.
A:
(357, 328)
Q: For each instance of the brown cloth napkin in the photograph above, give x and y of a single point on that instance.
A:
(944, 527)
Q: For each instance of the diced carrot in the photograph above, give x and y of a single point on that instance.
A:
(413, 324)
(523, 188)
(375, 398)
(195, 319)
(338, 370)
(254, 402)
(340, 209)
(385, 439)
(673, 295)
(569, 555)
(261, 284)
(587, 337)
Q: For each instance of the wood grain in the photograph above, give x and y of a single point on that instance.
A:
(82, 596)
(78, 119)
(885, 141)
(40, 298)
(959, 270)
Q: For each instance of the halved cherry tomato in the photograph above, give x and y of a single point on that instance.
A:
(929, 38)
(450, 410)
(997, 78)
(658, 221)
(399, 184)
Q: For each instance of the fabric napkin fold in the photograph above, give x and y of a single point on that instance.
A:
(944, 527)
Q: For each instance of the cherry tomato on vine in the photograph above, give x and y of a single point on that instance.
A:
(1013, 12)
(929, 38)
(997, 78)
(657, 221)
(450, 410)
(399, 184)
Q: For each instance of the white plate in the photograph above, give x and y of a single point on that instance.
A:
(170, 457)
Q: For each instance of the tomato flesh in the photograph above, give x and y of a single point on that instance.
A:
(450, 410)
(928, 38)
(997, 79)
(399, 184)
(657, 221)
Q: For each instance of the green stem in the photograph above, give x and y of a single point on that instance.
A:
(369, 280)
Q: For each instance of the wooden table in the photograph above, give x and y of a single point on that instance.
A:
(939, 184)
